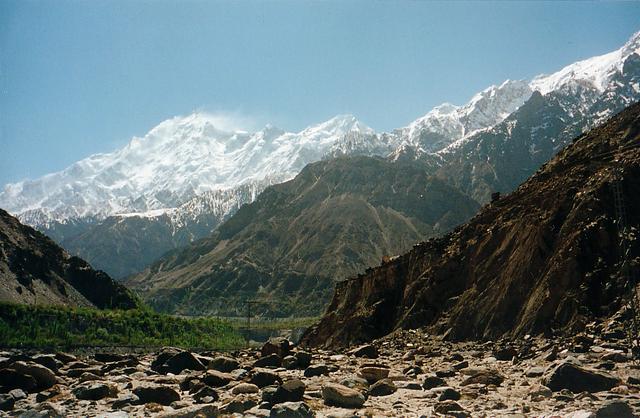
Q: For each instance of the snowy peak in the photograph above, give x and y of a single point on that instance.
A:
(447, 123)
(596, 72)
(178, 159)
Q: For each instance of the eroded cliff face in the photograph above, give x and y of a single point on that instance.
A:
(544, 259)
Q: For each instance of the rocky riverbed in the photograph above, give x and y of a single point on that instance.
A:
(404, 374)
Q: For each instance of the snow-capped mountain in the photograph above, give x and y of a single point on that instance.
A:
(177, 160)
(449, 125)
(187, 169)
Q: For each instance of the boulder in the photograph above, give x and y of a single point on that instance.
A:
(291, 410)
(224, 364)
(108, 357)
(245, 388)
(216, 379)
(270, 360)
(6, 402)
(238, 405)
(505, 353)
(431, 382)
(367, 351)
(449, 394)
(44, 377)
(577, 379)
(484, 377)
(341, 396)
(184, 360)
(48, 360)
(206, 394)
(374, 373)
(279, 346)
(316, 370)
(65, 357)
(303, 359)
(18, 394)
(94, 392)
(290, 362)
(448, 408)
(164, 355)
(125, 401)
(163, 395)
(11, 379)
(615, 409)
(195, 411)
(262, 378)
(289, 391)
(382, 387)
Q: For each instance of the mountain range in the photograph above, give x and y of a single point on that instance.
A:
(546, 259)
(331, 221)
(186, 177)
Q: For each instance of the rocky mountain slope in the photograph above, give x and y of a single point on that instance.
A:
(563, 106)
(34, 270)
(544, 259)
(127, 243)
(334, 219)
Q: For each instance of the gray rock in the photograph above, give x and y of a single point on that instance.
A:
(216, 379)
(289, 362)
(238, 405)
(303, 359)
(374, 373)
(184, 360)
(44, 377)
(280, 346)
(245, 388)
(206, 394)
(270, 360)
(196, 411)
(224, 364)
(368, 351)
(316, 370)
(615, 409)
(163, 395)
(6, 402)
(431, 382)
(567, 375)
(505, 353)
(289, 391)
(341, 396)
(94, 392)
(48, 360)
(126, 400)
(535, 371)
(291, 410)
(449, 394)
(18, 394)
(262, 378)
(485, 377)
(383, 387)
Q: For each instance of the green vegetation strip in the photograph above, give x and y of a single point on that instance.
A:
(56, 326)
(273, 323)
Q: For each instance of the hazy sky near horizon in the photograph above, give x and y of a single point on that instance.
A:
(81, 77)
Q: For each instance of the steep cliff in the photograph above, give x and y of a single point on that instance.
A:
(543, 259)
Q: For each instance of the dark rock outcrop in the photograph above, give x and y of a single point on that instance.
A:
(34, 270)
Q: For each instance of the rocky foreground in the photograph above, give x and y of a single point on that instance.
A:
(408, 373)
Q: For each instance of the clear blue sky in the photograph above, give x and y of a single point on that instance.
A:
(79, 77)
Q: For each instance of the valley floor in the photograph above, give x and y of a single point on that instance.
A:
(585, 376)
